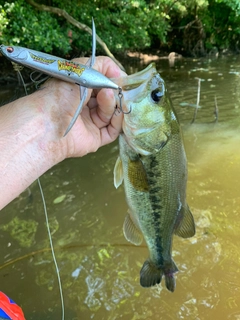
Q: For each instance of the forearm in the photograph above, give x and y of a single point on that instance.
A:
(30, 144)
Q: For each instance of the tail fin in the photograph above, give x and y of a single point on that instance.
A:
(151, 275)
(170, 282)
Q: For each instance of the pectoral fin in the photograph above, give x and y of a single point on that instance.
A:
(137, 175)
(131, 232)
(118, 173)
(186, 227)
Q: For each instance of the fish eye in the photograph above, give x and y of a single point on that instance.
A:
(157, 94)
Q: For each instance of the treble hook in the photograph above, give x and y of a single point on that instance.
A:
(35, 80)
(120, 95)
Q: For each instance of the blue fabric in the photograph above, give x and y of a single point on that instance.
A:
(3, 314)
(11, 301)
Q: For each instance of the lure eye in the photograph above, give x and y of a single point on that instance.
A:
(10, 49)
(157, 94)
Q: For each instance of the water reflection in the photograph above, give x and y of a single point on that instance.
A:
(99, 269)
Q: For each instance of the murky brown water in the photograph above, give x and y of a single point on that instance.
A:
(99, 269)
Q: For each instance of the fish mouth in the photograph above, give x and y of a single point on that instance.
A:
(133, 87)
(136, 79)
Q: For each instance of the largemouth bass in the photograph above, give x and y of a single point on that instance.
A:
(152, 163)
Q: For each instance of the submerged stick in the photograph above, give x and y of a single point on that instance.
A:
(67, 247)
(198, 100)
(216, 109)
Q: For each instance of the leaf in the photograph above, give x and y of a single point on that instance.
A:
(59, 199)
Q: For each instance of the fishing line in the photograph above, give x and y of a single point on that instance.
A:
(17, 68)
(52, 248)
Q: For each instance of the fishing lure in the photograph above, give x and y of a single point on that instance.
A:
(9, 309)
(63, 69)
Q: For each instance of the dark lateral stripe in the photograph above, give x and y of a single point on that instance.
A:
(156, 214)
(151, 174)
(156, 189)
(160, 259)
(156, 207)
(154, 174)
(154, 162)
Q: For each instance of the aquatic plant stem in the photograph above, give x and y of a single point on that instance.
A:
(52, 248)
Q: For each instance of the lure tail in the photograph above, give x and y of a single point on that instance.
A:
(83, 90)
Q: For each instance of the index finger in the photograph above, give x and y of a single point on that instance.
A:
(104, 65)
(108, 67)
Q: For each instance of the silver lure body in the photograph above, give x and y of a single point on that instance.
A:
(58, 68)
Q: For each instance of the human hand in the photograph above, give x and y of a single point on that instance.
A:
(98, 123)
(32, 129)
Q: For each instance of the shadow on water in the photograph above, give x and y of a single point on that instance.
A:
(99, 269)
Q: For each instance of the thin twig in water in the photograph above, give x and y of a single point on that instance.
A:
(216, 110)
(69, 247)
(198, 100)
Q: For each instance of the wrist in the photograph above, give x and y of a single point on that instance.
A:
(43, 128)
(48, 119)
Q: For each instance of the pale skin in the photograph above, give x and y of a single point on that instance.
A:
(32, 129)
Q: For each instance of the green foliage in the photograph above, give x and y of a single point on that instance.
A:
(22, 25)
(3, 21)
(222, 24)
(188, 26)
(123, 25)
